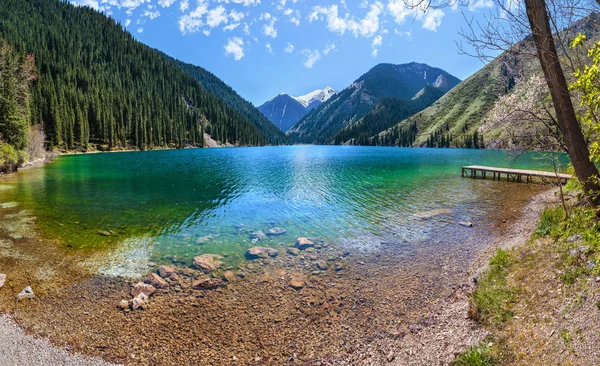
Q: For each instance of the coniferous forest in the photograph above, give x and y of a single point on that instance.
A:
(99, 88)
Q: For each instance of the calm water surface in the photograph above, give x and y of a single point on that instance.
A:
(187, 202)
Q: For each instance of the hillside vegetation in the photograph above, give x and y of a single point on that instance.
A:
(98, 87)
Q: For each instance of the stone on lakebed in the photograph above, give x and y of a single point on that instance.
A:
(276, 231)
(304, 243)
(258, 235)
(2, 279)
(297, 282)
(207, 262)
(261, 252)
(207, 283)
(142, 288)
(140, 300)
(156, 281)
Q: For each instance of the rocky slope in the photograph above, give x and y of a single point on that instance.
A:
(284, 111)
(351, 104)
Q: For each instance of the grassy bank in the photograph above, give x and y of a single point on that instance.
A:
(541, 301)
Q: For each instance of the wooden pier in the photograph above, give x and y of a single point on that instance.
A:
(515, 175)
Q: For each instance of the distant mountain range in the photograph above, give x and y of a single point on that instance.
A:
(285, 110)
(419, 83)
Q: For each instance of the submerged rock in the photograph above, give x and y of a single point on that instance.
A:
(156, 281)
(142, 288)
(166, 271)
(207, 262)
(466, 223)
(261, 252)
(206, 239)
(103, 233)
(338, 267)
(276, 231)
(297, 283)
(2, 279)
(228, 276)
(27, 293)
(124, 304)
(207, 283)
(322, 265)
(139, 301)
(293, 251)
(304, 243)
(258, 235)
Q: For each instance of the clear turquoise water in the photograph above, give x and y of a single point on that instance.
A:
(167, 200)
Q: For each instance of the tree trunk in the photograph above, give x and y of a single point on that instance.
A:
(575, 143)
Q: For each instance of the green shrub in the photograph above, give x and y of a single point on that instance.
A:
(550, 222)
(492, 300)
(9, 159)
(475, 356)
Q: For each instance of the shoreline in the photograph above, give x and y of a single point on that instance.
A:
(446, 320)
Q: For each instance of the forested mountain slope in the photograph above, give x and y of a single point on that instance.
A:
(459, 117)
(98, 86)
(351, 104)
(212, 83)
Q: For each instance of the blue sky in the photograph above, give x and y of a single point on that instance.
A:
(264, 47)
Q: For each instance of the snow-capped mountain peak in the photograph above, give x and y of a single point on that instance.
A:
(318, 96)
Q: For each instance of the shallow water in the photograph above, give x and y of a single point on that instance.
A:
(180, 203)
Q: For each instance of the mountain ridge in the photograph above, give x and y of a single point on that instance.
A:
(285, 110)
(402, 81)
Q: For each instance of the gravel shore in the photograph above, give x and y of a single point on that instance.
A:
(20, 349)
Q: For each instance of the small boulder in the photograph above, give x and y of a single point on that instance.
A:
(293, 251)
(258, 235)
(124, 304)
(574, 238)
(166, 271)
(2, 279)
(338, 267)
(103, 233)
(142, 288)
(156, 281)
(261, 252)
(207, 283)
(206, 239)
(27, 293)
(304, 243)
(297, 283)
(466, 224)
(276, 231)
(207, 262)
(140, 300)
(322, 265)
(579, 251)
(229, 276)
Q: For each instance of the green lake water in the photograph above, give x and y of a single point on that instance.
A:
(158, 204)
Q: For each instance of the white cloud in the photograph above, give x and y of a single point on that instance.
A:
(269, 29)
(269, 48)
(366, 27)
(430, 18)
(231, 27)
(151, 14)
(183, 5)
(191, 22)
(289, 48)
(480, 4)
(166, 3)
(328, 49)
(377, 42)
(311, 58)
(216, 16)
(236, 16)
(140, 30)
(235, 48)
(127, 22)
